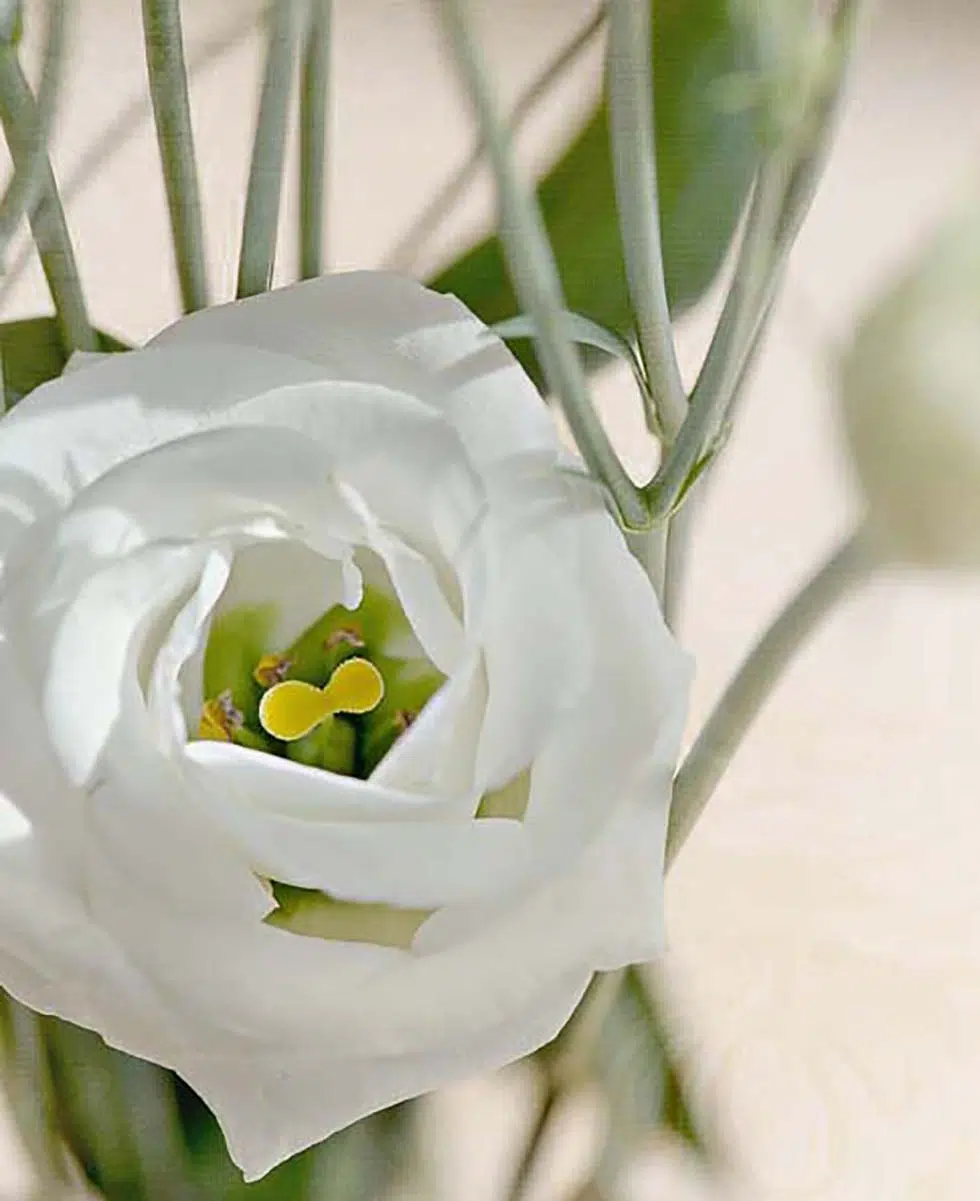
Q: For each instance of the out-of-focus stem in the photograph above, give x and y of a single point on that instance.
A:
(18, 114)
(167, 75)
(260, 227)
(314, 119)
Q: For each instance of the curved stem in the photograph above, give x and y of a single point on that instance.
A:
(167, 75)
(852, 563)
(405, 254)
(535, 275)
(18, 113)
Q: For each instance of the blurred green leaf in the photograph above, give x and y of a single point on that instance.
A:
(641, 1071)
(31, 353)
(139, 1133)
(11, 22)
(706, 156)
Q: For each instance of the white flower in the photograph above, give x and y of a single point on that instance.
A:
(911, 401)
(358, 459)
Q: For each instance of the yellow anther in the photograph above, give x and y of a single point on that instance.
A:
(292, 708)
(271, 669)
(219, 720)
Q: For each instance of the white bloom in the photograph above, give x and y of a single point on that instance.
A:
(911, 402)
(334, 458)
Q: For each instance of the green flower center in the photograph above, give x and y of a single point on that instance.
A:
(336, 698)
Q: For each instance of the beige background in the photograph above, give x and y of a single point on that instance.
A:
(825, 920)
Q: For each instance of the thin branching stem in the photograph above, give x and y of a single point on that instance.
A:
(535, 274)
(629, 92)
(405, 255)
(783, 191)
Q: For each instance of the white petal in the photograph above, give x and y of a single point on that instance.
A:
(54, 959)
(622, 739)
(94, 659)
(403, 850)
(436, 756)
(72, 430)
(419, 588)
(386, 329)
(29, 770)
(485, 985)
(272, 1104)
(136, 806)
(538, 636)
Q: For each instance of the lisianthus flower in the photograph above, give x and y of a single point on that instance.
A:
(338, 722)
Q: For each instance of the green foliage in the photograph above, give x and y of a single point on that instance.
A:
(640, 1069)
(31, 353)
(706, 156)
(137, 1131)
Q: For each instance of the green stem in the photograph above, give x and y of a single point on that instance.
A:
(680, 529)
(18, 114)
(115, 134)
(314, 115)
(543, 1118)
(714, 390)
(852, 563)
(649, 548)
(784, 189)
(30, 1092)
(22, 195)
(260, 227)
(535, 275)
(171, 109)
(629, 91)
(407, 251)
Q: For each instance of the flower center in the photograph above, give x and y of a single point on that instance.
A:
(291, 709)
(337, 698)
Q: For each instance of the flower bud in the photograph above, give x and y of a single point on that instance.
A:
(910, 389)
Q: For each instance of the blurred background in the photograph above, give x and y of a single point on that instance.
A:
(824, 921)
